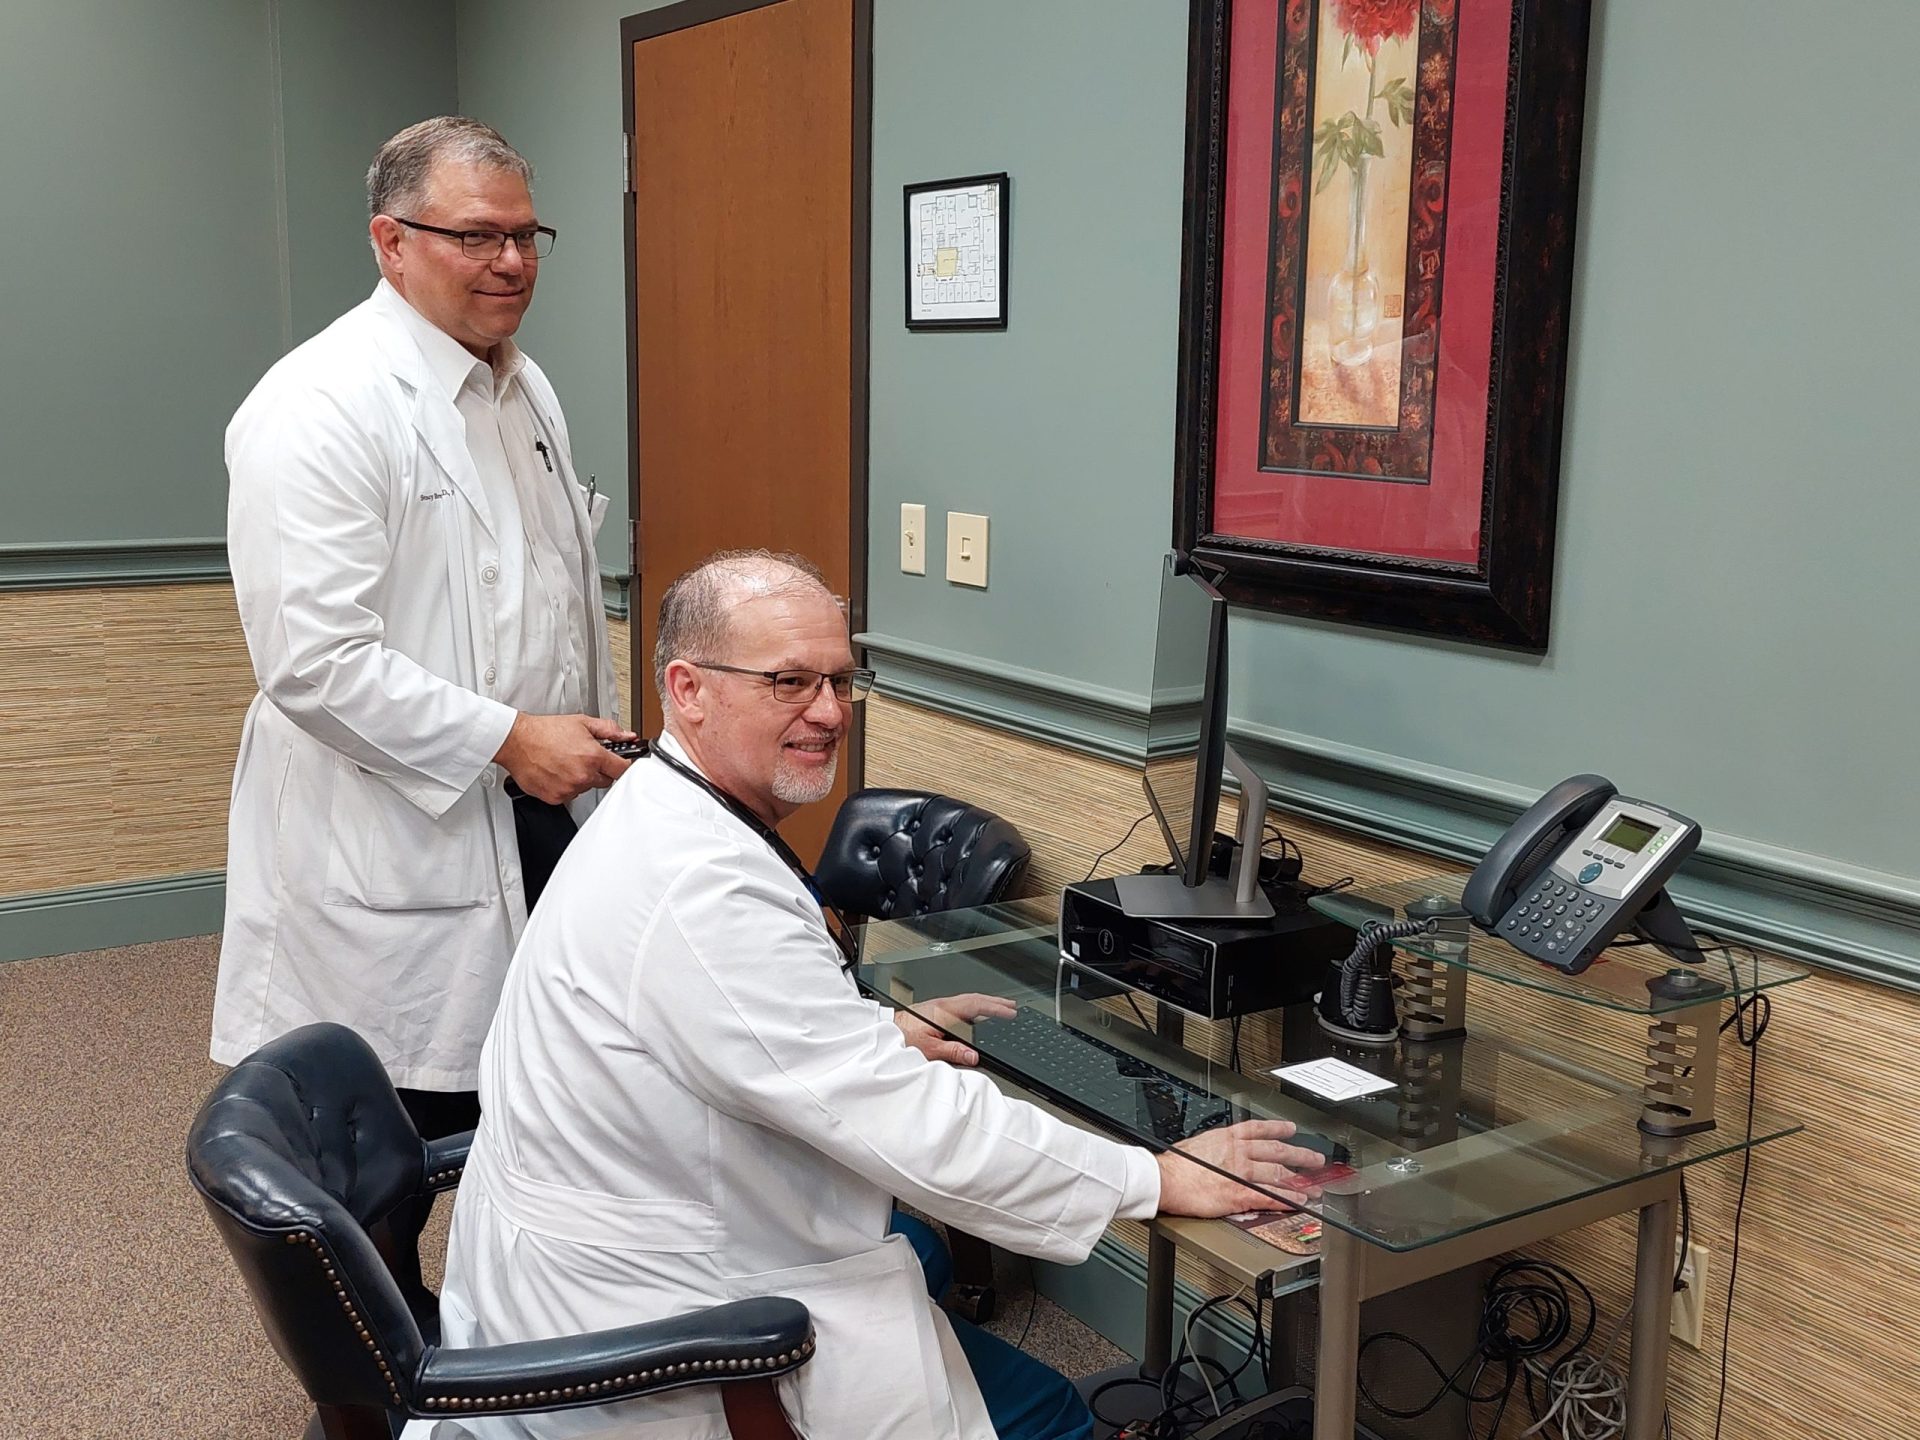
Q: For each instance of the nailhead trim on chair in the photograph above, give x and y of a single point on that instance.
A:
(307, 1238)
(445, 1175)
(614, 1386)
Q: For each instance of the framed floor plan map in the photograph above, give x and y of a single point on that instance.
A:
(956, 257)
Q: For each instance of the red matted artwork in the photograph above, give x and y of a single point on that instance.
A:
(1375, 285)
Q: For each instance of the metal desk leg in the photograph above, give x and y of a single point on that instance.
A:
(1652, 1319)
(1336, 1380)
(1159, 1347)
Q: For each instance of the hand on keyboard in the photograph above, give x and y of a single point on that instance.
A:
(946, 1014)
(1253, 1150)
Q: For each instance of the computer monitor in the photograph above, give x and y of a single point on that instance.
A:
(1187, 752)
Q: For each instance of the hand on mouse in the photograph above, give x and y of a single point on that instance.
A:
(1205, 1174)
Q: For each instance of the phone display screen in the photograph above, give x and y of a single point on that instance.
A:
(1629, 834)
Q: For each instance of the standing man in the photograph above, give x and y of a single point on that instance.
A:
(687, 1099)
(413, 560)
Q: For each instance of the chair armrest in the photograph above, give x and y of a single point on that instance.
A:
(446, 1161)
(742, 1340)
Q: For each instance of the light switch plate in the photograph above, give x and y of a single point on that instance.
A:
(967, 548)
(913, 539)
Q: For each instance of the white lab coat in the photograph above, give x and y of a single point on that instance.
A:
(373, 876)
(686, 1100)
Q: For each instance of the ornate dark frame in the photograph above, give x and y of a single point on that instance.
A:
(1505, 598)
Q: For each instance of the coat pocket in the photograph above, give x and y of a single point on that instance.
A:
(385, 853)
(877, 1370)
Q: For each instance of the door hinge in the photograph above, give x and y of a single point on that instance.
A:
(626, 164)
(633, 548)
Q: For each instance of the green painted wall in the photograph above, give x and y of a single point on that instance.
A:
(188, 180)
(548, 78)
(353, 72)
(143, 295)
(1735, 593)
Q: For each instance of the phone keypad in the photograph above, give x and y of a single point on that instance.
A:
(1553, 918)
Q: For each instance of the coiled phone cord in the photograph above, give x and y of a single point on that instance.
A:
(1357, 977)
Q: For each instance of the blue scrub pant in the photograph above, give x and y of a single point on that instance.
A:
(1026, 1399)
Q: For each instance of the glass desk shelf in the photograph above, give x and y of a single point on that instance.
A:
(1618, 980)
(1471, 1132)
(1477, 1147)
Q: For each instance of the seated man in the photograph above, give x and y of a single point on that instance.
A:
(686, 1100)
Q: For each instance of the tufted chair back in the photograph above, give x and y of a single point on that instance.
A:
(897, 853)
(298, 1151)
(303, 1149)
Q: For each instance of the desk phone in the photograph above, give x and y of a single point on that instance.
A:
(1584, 865)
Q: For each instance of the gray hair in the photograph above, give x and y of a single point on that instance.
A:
(694, 613)
(397, 180)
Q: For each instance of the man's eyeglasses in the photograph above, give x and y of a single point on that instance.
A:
(799, 687)
(487, 244)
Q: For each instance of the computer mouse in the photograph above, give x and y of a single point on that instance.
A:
(1332, 1151)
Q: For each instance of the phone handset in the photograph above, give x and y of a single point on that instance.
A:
(1583, 865)
(1518, 855)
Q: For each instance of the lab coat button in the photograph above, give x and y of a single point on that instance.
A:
(490, 573)
(487, 779)
(488, 677)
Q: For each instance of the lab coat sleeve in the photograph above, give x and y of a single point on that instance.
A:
(308, 543)
(739, 991)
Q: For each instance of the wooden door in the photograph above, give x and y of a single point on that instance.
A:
(747, 292)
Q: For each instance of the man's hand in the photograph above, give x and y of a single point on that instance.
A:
(556, 757)
(1253, 1150)
(950, 1013)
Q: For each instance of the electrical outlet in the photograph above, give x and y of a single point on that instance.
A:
(1690, 1301)
(913, 539)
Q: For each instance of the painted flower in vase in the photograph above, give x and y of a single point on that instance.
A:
(1351, 142)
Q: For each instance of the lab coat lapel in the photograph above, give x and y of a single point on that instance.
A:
(434, 417)
(444, 432)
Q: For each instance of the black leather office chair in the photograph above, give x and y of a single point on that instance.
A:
(897, 853)
(303, 1149)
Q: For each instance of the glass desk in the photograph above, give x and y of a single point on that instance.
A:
(1478, 1145)
(1683, 1004)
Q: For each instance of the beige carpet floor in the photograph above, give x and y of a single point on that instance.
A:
(120, 1315)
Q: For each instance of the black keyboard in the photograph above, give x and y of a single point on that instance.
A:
(1102, 1077)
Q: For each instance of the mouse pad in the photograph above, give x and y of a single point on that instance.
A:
(1295, 1232)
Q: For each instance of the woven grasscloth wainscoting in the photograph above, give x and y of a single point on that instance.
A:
(1827, 1316)
(120, 711)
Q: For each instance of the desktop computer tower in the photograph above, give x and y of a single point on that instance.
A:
(1211, 968)
(1442, 1313)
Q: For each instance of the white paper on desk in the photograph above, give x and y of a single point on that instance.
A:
(1332, 1079)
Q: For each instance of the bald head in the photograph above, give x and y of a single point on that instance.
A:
(696, 612)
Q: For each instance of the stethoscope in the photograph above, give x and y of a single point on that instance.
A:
(837, 926)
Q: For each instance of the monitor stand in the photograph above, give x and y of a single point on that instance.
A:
(1169, 897)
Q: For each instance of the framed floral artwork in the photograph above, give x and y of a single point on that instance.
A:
(1376, 276)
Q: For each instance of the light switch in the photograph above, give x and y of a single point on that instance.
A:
(967, 549)
(913, 539)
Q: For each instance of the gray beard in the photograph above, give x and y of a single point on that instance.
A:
(795, 786)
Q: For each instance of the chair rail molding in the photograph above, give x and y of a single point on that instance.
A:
(99, 564)
(91, 564)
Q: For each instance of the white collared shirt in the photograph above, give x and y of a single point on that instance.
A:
(544, 643)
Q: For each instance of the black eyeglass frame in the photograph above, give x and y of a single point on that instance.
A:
(464, 236)
(859, 681)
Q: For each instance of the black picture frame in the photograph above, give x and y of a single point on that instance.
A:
(1505, 598)
(1003, 202)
